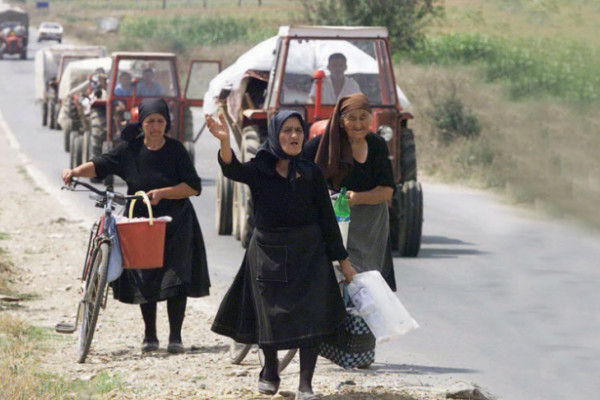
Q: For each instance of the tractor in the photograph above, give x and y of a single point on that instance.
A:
(50, 63)
(14, 31)
(134, 76)
(286, 72)
(82, 82)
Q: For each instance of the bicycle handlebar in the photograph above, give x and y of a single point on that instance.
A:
(118, 198)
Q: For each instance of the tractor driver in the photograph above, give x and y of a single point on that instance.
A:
(336, 84)
(147, 86)
(124, 87)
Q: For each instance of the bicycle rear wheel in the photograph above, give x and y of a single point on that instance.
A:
(238, 351)
(95, 285)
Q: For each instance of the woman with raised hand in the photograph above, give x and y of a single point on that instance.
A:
(285, 294)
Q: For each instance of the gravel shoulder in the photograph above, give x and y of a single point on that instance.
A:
(46, 241)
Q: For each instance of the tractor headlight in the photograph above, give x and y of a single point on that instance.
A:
(385, 132)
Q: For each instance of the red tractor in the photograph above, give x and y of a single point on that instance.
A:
(134, 76)
(287, 71)
(14, 31)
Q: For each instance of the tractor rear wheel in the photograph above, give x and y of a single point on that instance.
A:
(408, 156)
(67, 135)
(44, 113)
(75, 149)
(223, 210)
(98, 130)
(85, 146)
(52, 108)
(191, 150)
(106, 147)
(250, 143)
(408, 204)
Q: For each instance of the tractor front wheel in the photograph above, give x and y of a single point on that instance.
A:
(406, 229)
(223, 210)
(44, 113)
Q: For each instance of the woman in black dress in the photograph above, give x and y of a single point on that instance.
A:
(161, 167)
(285, 294)
(352, 157)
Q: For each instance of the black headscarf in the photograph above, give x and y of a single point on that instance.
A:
(146, 107)
(273, 147)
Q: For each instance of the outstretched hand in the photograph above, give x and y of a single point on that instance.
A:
(220, 130)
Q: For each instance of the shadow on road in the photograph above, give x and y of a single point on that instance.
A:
(418, 369)
(437, 252)
(442, 240)
(443, 252)
(209, 349)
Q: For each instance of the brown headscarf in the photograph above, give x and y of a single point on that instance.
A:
(334, 155)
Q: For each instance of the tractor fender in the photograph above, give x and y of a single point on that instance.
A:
(317, 128)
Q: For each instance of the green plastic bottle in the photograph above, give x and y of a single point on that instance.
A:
(341, 208)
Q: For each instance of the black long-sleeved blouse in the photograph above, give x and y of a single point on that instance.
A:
(279, 203)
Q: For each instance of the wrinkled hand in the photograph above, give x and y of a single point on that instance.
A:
(155, 196)
(66, 176)
(220, 130)
(352, 198)
(347, 270)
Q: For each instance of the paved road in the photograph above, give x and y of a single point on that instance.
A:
(504, 299)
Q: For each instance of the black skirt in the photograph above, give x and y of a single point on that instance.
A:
(285, 293)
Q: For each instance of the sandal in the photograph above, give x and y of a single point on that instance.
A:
(175, 348)
(267, 387)
(149, 346)
(307, 396)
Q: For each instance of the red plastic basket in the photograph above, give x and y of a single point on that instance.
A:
(143, 240)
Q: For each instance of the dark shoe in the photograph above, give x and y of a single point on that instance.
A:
(149, 345)
(175, 348)
(307, 396)
(267, 387)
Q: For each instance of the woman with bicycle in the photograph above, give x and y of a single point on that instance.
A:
(285, 294)
(150, 161)
(350, 156)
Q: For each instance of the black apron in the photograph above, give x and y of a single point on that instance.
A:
(285, 294)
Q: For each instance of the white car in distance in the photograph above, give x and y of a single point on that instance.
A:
(50, 31)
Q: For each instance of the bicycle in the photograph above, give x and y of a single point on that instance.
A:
(95, 267)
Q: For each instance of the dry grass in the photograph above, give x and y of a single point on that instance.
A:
(541, 152)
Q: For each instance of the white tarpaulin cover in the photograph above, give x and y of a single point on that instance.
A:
(77, 72)
(47, 61)
(304, 58)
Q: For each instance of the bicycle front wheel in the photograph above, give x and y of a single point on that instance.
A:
(95, 285)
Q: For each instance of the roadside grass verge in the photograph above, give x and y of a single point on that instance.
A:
(538, 152)
(21, 349)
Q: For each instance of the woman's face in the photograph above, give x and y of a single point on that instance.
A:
(154, 125)
(356, 123)
(291, 136)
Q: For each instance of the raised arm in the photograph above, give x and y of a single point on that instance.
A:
(220, 130)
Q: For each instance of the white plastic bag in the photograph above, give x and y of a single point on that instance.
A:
(115, 260)
(380, 308)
